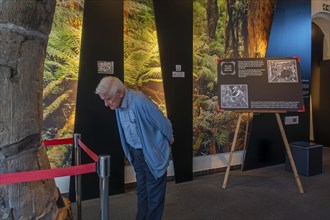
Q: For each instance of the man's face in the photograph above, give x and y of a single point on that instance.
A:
(113, 102)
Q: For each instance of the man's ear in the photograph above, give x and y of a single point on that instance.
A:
(121, 93)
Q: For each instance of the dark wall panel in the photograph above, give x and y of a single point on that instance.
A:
(317, 56)
(324, 119)
(102, 39)
(174, 29)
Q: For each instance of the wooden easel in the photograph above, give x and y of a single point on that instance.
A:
(286, 144)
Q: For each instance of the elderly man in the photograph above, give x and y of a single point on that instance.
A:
(145, 134)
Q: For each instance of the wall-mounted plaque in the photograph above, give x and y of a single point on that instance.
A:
(105, 67)
(260, 84)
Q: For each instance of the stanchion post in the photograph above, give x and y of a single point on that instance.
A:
(103, 170)
(77, 155)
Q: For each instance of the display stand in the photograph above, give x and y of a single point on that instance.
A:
(286, 144)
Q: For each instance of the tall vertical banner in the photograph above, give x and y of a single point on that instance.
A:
(101, 53)
(173, 21)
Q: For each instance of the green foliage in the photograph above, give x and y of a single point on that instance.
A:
(199, 15)
(213, 131)
(61, 68)
(141, 53)
(236, 30)
(62, 58)
(55, 105)
(239, 9)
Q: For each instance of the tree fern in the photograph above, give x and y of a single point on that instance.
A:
(64, 43)
(141, 53)
(53, 106)
(50, 86)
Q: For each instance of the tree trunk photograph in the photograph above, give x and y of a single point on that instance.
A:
(24, 30)
(260, 15)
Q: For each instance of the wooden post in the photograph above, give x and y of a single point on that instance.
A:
(247, 128)
(231, 151)
(288, 151)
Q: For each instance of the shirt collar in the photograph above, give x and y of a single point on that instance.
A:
(126, 99)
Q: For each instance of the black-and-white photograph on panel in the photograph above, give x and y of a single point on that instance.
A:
(105, 67)
(282, 71)
(234, 96)
(260, 84)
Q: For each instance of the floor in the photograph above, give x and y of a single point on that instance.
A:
(265, 193)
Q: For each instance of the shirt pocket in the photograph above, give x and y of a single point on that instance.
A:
(131, 117)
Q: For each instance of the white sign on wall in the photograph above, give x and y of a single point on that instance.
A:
(178, 73)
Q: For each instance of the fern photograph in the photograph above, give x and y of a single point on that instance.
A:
(61, 78)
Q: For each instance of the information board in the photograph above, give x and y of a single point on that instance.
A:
(260, 84)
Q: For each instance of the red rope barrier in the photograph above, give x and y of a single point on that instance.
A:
(35, 175)
(58, 142)
(28, 176)
(90, 153)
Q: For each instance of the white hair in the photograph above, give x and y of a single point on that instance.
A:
(109, 85)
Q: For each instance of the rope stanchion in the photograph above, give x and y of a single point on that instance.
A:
(78, 189)
(103, 170)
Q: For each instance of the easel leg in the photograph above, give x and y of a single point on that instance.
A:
(288, 151)
(247, 129)
(231, 151)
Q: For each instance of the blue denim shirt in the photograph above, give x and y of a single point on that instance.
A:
(128, 122)
(153, 128)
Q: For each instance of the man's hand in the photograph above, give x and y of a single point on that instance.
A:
(171, 141)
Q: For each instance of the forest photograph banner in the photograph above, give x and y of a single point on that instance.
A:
(259, 84)
(222, 28)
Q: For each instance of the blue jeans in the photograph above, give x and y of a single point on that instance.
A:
(150, 191)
